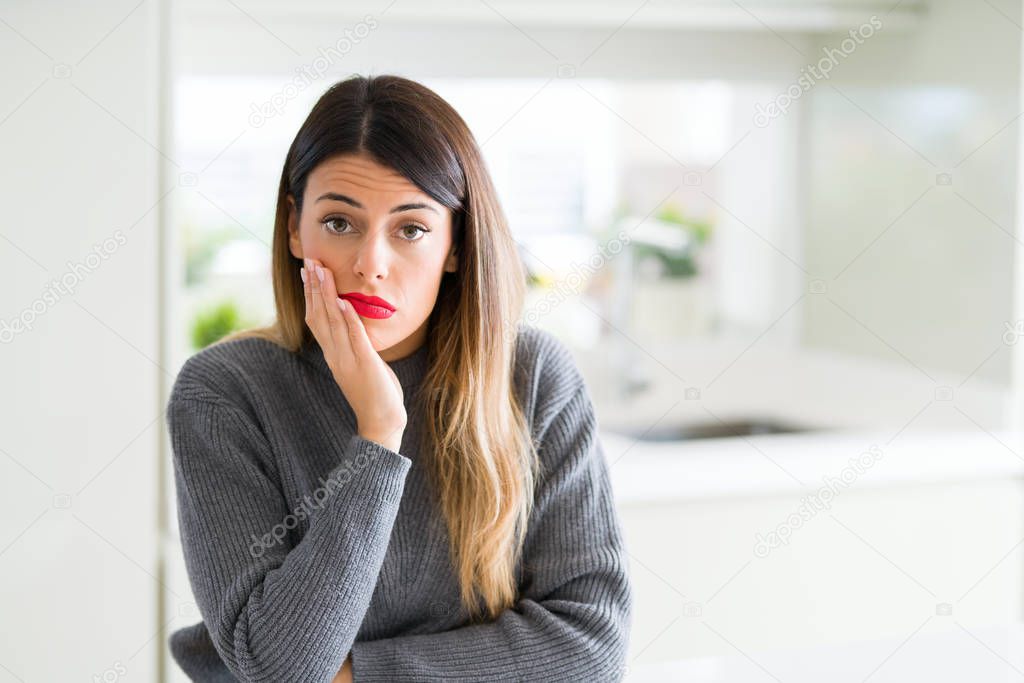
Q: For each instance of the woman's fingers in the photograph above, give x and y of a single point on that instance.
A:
(316, 311)
(357, 336)
(308, 275)
(338, 323)
(316, 275)
(347, 327)
(330, 293)
(306, 290)
(343, 330)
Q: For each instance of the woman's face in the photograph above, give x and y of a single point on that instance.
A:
(365, 222)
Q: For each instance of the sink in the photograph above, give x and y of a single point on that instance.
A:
(711, 430)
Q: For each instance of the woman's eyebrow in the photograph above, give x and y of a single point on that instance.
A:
(348, 200)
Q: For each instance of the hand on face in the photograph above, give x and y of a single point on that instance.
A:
(369, 384)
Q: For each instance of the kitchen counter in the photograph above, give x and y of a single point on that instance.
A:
(928, 425)
(705, 379)
(647, 472)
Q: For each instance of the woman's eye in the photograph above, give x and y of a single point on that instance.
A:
(337, 219)
(417, 235)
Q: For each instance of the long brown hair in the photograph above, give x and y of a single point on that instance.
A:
(483, 461)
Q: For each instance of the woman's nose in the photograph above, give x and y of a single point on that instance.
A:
(372, 258)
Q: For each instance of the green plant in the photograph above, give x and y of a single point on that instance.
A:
(676, 265)
(680, 263)
(215, 322)
(698, 229)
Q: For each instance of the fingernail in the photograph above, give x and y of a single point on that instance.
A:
(302, 274)
(320, 273)
(309, 264)
(342, 304)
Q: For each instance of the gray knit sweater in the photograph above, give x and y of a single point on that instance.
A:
(304, 541)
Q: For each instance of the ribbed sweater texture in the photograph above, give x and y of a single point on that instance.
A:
(305, 542)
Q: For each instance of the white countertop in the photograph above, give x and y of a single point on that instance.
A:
(644, 472)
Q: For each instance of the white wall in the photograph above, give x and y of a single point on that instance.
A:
(936, 285)
(80, 435)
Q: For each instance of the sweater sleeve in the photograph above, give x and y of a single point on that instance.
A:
(277, 610)
(573, 616)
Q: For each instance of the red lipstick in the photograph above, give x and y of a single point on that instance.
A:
(369, 306)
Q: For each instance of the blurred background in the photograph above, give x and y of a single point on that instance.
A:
(781, 238)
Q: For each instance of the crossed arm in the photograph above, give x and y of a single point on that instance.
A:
(573, 616)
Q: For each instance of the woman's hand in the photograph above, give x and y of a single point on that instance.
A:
(368, 383)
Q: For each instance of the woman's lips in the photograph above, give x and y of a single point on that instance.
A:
(369, 306)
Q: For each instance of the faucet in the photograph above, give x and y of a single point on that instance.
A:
(626, 360)
(627, 379)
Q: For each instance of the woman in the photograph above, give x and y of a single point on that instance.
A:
(395, 481)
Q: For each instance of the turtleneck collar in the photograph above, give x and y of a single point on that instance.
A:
(410, 369)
